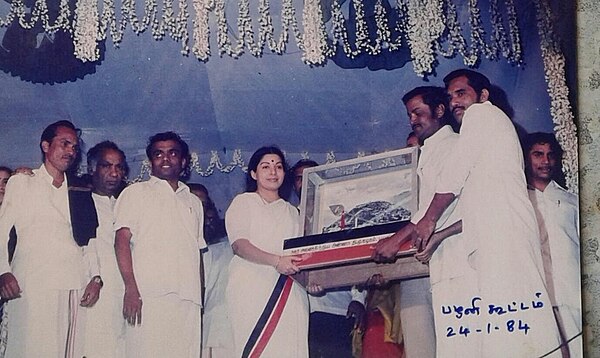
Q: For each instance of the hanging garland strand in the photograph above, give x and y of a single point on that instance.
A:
(215, 164)
(425, 24)
(560, 108)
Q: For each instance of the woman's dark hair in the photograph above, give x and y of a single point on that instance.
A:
(253, 165)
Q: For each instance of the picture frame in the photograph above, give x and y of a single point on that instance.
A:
(346, 207)
(365, 191)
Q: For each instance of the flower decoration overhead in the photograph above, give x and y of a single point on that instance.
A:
(426, 26)
(319, 28)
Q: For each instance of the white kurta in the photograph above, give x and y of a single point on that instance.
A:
(105, 326)
(48, 265)
(265, 225)
(167, 235)
(560, 212)
(501, 234)
(216, 334)
(448, 267)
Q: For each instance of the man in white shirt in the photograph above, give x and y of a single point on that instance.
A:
(485, 170)
(105, 327)
(46, 281)
(427, 109)
(159, 236)
(558, 218)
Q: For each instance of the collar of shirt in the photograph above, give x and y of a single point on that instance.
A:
(157, 181)
(437, 137)
(107, 199)
(43, 174)
(550, 187)
(554, 186)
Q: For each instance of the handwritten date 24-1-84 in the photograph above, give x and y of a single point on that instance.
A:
(517, 326)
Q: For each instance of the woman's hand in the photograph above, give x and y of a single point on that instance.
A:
(286, 265)
(315, 289)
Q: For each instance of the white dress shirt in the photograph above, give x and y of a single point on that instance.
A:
(167, 235)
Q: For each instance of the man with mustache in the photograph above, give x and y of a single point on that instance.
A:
(427, 110)
(557, 212)
(46, 281)
(485, 172)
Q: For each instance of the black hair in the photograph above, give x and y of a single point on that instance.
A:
(253, 165)
(542, 138)
(185, 150)
(532, 139)
(50, 132)
(202, 188)
(303, 163)
(96, 152)
(476, 80)
(198, 187)
(433, 97)
(5, 169)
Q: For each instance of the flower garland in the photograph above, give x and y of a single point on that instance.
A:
(314, 40)
(425, 26)
(246, 37)
(215, 164)
(516, 53)
(201, 30)
(39, 13)
(560, 108)
(86, 28)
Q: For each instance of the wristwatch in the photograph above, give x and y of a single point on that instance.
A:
(98, 280)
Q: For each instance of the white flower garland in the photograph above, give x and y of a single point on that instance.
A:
(201, 30)
(560, 108)
(86, 29)
(424, 23)
(314, 40)
(498, 44)
(425, 26)
(215, 164)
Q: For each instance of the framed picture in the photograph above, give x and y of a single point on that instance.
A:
(366, 191)
(346, 208)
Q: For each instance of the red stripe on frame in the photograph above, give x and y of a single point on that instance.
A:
(343, 254)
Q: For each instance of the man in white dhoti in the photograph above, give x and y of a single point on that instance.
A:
(105, 327)
(485, 170)
(427, 109)
(558, 219)
(46, 281)
(159, 235)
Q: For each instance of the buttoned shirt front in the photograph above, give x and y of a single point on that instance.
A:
(167, 235)
(560, 210)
